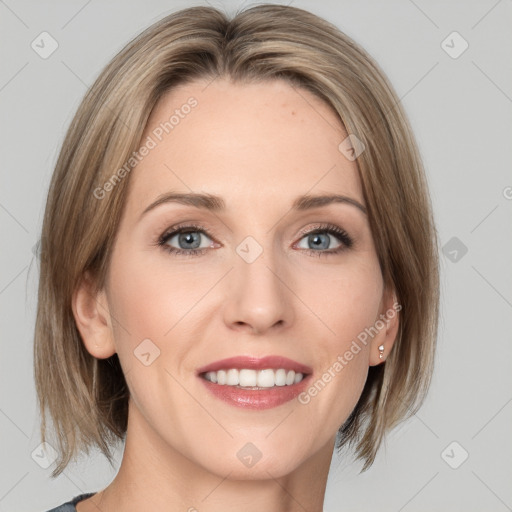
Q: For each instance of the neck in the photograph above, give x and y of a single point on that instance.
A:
(155, 475)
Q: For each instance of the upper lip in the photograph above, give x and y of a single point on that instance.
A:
(256, 363)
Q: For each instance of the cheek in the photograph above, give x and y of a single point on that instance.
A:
(151, 297)
(157, 300)
(346, 299)
(149, 309)
(346, 304)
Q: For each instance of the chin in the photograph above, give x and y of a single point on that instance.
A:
(258, 460)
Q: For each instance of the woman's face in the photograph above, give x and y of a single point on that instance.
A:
(260, 285)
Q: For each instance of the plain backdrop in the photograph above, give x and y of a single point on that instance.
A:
(456, 453)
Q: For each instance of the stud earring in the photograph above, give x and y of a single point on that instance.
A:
(381, 351)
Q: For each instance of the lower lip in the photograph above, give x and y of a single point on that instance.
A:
(256, 398)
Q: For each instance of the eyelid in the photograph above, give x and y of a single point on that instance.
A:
(186, 226)
(346, 240)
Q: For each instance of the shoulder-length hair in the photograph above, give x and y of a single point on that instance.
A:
(86, 397)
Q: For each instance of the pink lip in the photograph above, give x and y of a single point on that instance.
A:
(256, 398)
(254, 363)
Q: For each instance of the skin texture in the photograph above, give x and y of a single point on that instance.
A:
(259, 146)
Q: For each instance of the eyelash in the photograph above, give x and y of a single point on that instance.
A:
(331, 229)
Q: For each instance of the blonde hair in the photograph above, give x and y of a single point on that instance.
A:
(87, 398)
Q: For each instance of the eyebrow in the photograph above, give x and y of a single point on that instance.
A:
(216, 203)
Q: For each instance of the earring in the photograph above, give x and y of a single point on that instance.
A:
(381, 351)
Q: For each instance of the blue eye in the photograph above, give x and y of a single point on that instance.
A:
(189, 237)
(321, 239)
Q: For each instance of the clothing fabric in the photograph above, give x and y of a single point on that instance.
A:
(69, 506)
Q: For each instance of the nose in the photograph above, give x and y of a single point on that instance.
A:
(258, 297)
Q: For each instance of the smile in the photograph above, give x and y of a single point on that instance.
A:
(254, 379)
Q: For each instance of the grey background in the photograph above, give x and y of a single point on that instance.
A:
(460, 111)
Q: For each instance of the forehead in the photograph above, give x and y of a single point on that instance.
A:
(257, 143)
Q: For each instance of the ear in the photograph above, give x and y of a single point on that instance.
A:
(386, 324)
(92, 317)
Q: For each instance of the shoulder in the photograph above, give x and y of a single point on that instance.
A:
(69, 506)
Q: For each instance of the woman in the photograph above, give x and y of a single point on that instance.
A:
(239, 265)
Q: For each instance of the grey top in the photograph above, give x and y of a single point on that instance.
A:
(69, 506)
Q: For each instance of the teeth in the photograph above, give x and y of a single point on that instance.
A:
(232, 378)
(253, 378)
